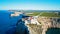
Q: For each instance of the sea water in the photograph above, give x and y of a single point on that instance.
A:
(6, 21)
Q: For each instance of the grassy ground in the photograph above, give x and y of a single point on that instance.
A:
(34, 14)
(49, 14)
(46, 14)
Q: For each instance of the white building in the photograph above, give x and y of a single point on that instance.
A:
(32, 20)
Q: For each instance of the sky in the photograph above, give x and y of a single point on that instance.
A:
(29, 4)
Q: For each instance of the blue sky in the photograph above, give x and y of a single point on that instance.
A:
(30, 4)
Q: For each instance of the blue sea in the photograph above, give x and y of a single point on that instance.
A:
(6, 21)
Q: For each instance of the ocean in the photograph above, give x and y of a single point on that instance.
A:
(6, 21)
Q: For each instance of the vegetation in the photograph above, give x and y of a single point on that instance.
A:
(46, 14)
(34, 14)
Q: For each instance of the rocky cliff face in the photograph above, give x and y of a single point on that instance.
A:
(45, 24)
(34, 29)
